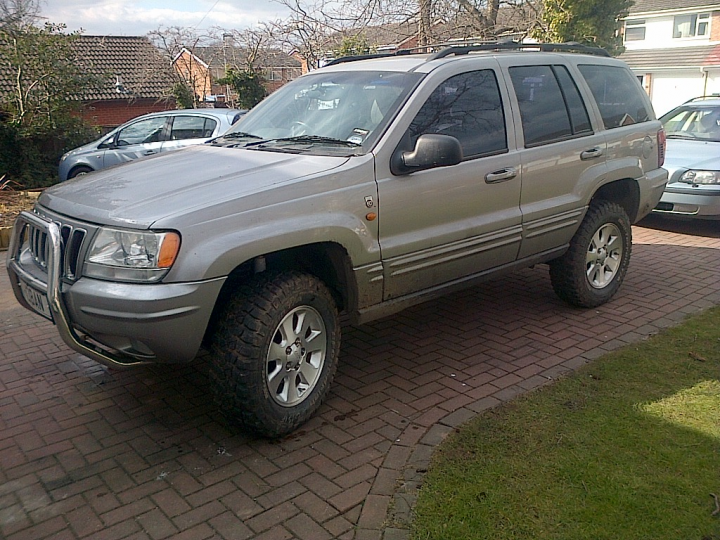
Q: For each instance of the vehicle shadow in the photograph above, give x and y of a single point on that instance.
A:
(695, 227)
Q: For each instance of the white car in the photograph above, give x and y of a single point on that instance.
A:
(693, 160)
(147, 135)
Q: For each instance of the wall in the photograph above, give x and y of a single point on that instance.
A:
(112, 113)
(659, 32)
(670, 89)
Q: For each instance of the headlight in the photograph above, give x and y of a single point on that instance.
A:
(131, 255)
(701, 177)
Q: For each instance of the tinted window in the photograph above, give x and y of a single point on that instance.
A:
(542, 106)
(618, 94)
(578, 113)
(467, 107)
(144, 131)
(192, 127)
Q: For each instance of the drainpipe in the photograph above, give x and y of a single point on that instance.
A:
(704, 71)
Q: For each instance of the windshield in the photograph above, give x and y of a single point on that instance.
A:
(338, 113)
(693, 122)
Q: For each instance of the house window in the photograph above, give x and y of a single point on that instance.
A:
(694, 25)
(635, 30)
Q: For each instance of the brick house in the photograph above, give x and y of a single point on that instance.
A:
(673, 46)
(201, 67)
(138, 79)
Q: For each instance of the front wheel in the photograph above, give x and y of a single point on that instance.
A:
(593, 268)
(274, 353)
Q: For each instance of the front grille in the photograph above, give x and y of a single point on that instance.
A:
(71, 248)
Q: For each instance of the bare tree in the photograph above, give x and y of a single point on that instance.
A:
(186, 51)
(19, 12)
(313, 28)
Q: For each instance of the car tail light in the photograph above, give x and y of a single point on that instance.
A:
(661, 143)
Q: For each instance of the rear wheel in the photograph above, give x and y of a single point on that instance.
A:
(593, 268)
(274, 353)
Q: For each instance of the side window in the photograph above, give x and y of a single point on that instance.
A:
(144, 131)
(191, 127)
(551, 108)
(618, 94)
(468, 107)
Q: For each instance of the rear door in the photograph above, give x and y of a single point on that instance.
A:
(185, 130)
(563, 152)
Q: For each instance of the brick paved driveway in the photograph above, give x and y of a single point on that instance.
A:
(90, 453)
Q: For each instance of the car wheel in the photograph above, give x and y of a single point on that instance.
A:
(79, 171)
(274, 352)
(593, 268)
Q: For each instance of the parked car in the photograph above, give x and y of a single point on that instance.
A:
(693, 160)
(148, 135)
(362, 188)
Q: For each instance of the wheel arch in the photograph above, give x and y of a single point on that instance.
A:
(79, 166)
(625, 192)
(328, 261)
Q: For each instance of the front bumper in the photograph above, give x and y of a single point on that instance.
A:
(116, 324)
(699, 202)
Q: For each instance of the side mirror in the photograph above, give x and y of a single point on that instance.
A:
(431, 150)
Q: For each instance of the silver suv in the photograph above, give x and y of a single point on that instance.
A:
(364, 187)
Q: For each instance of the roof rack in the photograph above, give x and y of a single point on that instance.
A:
(399, 52)
(514, 46)
(453, 49)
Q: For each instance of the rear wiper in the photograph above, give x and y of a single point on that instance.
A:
(316, 139)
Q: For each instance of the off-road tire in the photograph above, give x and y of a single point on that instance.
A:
(593, 268)
(251, 325)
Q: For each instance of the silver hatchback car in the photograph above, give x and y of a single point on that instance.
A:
(693, 160)
(148, 135)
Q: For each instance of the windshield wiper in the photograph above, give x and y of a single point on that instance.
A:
(316, 139)
(238, 135)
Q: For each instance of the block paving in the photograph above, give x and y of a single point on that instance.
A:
(91, 453)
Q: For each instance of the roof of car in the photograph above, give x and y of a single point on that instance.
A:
(454, 49)
(406, 60)
(713, 99)
(208, 111)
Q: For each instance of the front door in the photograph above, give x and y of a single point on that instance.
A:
(443, 224)
(139, 139)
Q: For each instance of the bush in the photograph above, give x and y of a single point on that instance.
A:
(31, 160)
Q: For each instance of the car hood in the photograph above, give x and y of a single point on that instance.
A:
(140, 193)
(682, 154)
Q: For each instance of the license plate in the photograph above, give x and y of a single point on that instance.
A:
(37, 300)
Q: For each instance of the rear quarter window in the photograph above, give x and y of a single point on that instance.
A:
(617, 93)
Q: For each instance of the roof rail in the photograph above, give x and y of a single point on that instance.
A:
(344, 59)
(458, 50)
(454, 49)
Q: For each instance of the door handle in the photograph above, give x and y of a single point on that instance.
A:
(592, 153)
(500, 176)
(149, 152)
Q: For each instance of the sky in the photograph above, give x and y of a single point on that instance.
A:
(138, 17)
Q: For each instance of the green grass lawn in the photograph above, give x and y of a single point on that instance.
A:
(626, 448)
